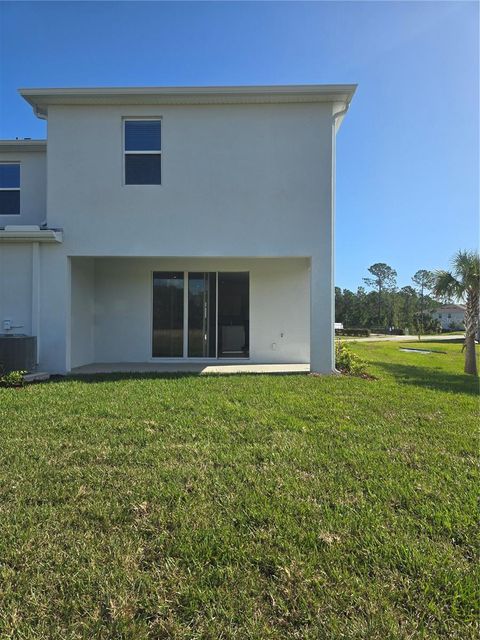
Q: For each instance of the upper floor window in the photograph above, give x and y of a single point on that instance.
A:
(9, 189)
(142, 151)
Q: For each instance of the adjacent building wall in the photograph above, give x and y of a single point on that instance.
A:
(16, 286)
(33, 186)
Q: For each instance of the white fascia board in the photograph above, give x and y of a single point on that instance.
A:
(40, 99)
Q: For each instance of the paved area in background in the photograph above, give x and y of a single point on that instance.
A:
(382, 338)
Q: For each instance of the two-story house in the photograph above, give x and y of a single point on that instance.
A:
(450, 316)
(173, 225)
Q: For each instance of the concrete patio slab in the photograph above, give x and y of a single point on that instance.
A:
(187, 367)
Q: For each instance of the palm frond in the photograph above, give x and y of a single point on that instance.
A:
(446, 286)
(466, 267)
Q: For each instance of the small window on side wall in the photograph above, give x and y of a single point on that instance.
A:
(9, 189)
(142, 151)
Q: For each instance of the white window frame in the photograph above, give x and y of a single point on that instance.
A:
(19, 188)
(154, 153)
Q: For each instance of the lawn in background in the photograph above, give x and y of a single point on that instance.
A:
(249, 507)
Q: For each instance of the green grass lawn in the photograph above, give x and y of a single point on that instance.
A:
(247, 507)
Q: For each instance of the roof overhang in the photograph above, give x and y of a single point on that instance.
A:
(41, 99)
(23, 145)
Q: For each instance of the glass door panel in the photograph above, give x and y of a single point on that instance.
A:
(167, 314)
(202, 315)
(233, 315)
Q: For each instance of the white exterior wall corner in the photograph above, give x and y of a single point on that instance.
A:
(55, 310)
(82, 311)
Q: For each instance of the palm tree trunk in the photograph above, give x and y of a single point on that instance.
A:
(471, 323)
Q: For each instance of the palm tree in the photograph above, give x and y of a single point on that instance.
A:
(462, 283)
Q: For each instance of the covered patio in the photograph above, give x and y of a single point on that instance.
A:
(199, 315)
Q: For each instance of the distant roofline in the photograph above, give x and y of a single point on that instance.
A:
(23, 145)
(444, 307)
(41, 98)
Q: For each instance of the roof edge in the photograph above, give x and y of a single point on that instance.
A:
(41, 98)
(25, 145)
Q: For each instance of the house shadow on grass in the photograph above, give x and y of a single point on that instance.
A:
(435, 379)
(116, 376)
(98, 378)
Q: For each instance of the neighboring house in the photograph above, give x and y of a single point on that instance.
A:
(450, 316)
(173, 224)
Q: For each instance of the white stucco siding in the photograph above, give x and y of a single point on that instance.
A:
(279, 304)
(16, 286)
(33, 176)
(450, 319)
(34, 288)
(82, 312)
(236, 180)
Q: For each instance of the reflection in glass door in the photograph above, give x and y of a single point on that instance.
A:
(202, 315)
(233, 315)
(211, 311)
(167, 314)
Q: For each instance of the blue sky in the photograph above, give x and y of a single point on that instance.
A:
(407, 154)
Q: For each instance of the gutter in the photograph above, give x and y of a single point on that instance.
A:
(42, 114)
(341, 113)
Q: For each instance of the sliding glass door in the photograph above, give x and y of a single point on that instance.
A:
(202, 329)
(207, 317)
(233, 315)
(168, 314)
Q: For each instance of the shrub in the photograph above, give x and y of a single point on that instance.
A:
(427, 324)
(348, 362)
(12, 379)
(352, 332)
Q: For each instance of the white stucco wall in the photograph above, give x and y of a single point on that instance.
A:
(279, 303)
(33, 177)
(16, 286)
(450, 318)
(82, 312)
(55, 306)
(236, 180)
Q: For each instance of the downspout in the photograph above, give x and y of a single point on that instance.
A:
(335, 117)
(36, 265)
(36, 296)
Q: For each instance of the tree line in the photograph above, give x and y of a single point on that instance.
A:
(382, 304)
(386, 306)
